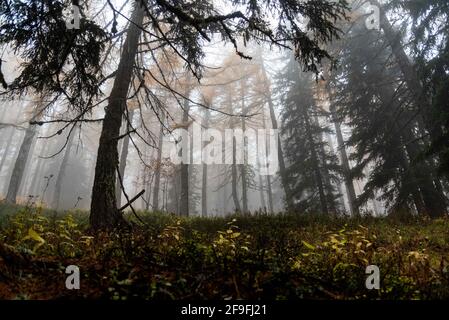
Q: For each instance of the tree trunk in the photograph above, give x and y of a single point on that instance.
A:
(274, 125)
(261, 189)
(104, 212)
(316, 168)
(123, 157)
(349, 184)
(61, 173)
(234, 181)
(204, 175)
(244, 166)
(9, 139)
(410, 74)
(325, 172)
(157, 178)
(19, 166)
(184, 205)
(433, 200)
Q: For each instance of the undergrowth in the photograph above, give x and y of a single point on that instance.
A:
(286, 256)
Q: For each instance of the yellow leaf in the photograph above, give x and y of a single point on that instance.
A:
(34, 236)
(308, 245)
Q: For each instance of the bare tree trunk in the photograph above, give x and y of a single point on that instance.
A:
(244, 166)
(104, 212)
(184, 205)
(61, 173)
(325, 172)
(123, 157)
(274, 125)
(157, 178)
(9, 139)
(261, 188)
(259, 166)
(19, 165)
(349, 185)
(234, 182)
(204, 174)
(316, 169)
(269, 189)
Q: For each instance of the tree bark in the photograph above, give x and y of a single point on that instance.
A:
(349, 184)
(61, 173)
(244, 166)
(104, 213)
(184, 205)
(9, 138)
(204, 174)
(234, 181)
(123, 157)
(274, 125)
(157, 178)
(19, 165)
(316, 169)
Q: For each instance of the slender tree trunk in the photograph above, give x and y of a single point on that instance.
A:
(261, 188)
(123, 157)
(349, 184)
(19, 166)
(204, 174)
(184, 205)
(325, 172)
(243, 167)
(157, 178)
(9, 139)
(61, 173)
(274, 125)
(104, 212)
(316, 169)
(234, 181)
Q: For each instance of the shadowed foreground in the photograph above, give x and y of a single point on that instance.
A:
(269, 257)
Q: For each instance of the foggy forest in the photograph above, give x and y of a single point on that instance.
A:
(224, 149)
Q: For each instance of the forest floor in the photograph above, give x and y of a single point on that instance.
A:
(249, 257)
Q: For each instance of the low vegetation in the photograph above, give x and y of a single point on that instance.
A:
(259, 257)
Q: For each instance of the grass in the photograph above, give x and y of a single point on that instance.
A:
(286, 256)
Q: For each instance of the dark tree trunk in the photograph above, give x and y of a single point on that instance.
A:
(157, 178)
(281, 160)
(104, 212)
(61, 173)
(204, 192)
(234, 181)
(123, 157)
(316, 168)
(184, 205)
(325, 172)
(244, 166)
(204, 175)
(261, 188)
(349, 184)
(432, 198)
